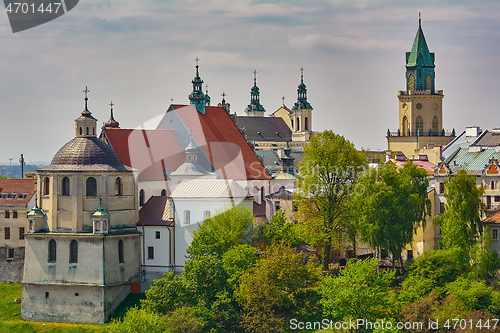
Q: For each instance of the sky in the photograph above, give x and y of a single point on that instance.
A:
(140, 55)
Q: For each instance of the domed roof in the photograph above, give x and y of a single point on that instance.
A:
(86, 153)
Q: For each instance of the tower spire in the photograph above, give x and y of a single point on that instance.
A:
(112, 122)
(419, 20)
(197, 97)
(255, 108)
(302, 103)
(86, 91)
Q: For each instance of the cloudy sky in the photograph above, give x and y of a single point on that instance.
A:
(140, 55)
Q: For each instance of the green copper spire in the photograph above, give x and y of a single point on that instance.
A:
(100, 210)
(255, 97)
(197, 97)
(302, 103)
(36, 211)
(420, 64)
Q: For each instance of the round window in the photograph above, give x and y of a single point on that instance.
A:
(419, 106)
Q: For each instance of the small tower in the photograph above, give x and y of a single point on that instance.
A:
(255, 109)
(85, 124)
(112, 123)
(36, 219)
(302, 110)
(197, 97)
(100, 220)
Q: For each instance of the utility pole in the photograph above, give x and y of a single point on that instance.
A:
(21, 160)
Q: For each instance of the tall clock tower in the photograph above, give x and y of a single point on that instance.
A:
(420, 105)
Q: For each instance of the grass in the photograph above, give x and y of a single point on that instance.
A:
(10, 314)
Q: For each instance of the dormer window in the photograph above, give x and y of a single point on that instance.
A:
(11, 196)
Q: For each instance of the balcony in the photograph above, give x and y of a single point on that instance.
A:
(429, 133)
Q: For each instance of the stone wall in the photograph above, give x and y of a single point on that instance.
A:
(12, 270)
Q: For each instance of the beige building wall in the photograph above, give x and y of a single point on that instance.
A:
(410, 145)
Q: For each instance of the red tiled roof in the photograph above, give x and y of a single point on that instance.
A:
(222, 142)
(150, 151)
(17, 186)
(495, 218)
(426, 165)
(156, 212)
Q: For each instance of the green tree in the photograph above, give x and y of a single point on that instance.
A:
(139, 320)
(326, 181)
(277, 289)
(393, 206)
(168, 294)
(222, 231)
(483, 262)
(431, 272)
(461, 222)
(239, 259)
(358, 292)
(279, 229)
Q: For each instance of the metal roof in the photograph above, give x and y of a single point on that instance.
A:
(474, 162)
(209, 188)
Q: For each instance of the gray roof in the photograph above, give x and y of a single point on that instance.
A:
(189, 169)
(270, 128)
(489, 139)
(461, 141)
(86, 154)
(209, 188)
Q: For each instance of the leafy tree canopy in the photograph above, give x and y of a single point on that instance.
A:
(326, 181)
(279, 229)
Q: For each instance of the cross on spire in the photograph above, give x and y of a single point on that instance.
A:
(196, 59)
(419, 19)
(86, 91)
(171, 101)
(283, 98)
(111, 105)
(206, 88)
(255, 75)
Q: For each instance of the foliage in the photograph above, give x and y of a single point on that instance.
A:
(168, 294)
(222, 231)
(279, 229)
(326, 181)
(137, 321)
(130, 301)
(431, 272)
(276, 290)
(422, 310)
(484, 263)
(393, 206)
(184, 320)
(358, 292)
(461, 222)
(239, 259)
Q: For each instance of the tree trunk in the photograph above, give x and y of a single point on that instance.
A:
(401, 262)
(354, 247)
(326, 257)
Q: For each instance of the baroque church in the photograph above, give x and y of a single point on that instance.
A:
(82, 247)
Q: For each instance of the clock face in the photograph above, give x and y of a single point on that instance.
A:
(405, 106)
(419, 106)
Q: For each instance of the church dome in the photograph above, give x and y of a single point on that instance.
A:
(85, 153)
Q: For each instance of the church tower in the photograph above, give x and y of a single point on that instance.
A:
(302, 110)
(82, 252)
(420, 105)
(197, 97)
(255, 109)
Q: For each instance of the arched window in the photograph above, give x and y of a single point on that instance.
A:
(46, 185)
(91, 188)
(87, 131)
(405, 125)
(262, 194)
(411, 83)
(81, 131)
(141, 198)
(121, 258)
(435, 130)
(52, 250)
(93, 130)
(163, 193)
(65, 186)
(187, 217)
(206, 215)
(306, 124)
(429, 84)
(298, 124)
(73, 251)
(292, 123)
(420, 125)
(118, 186)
